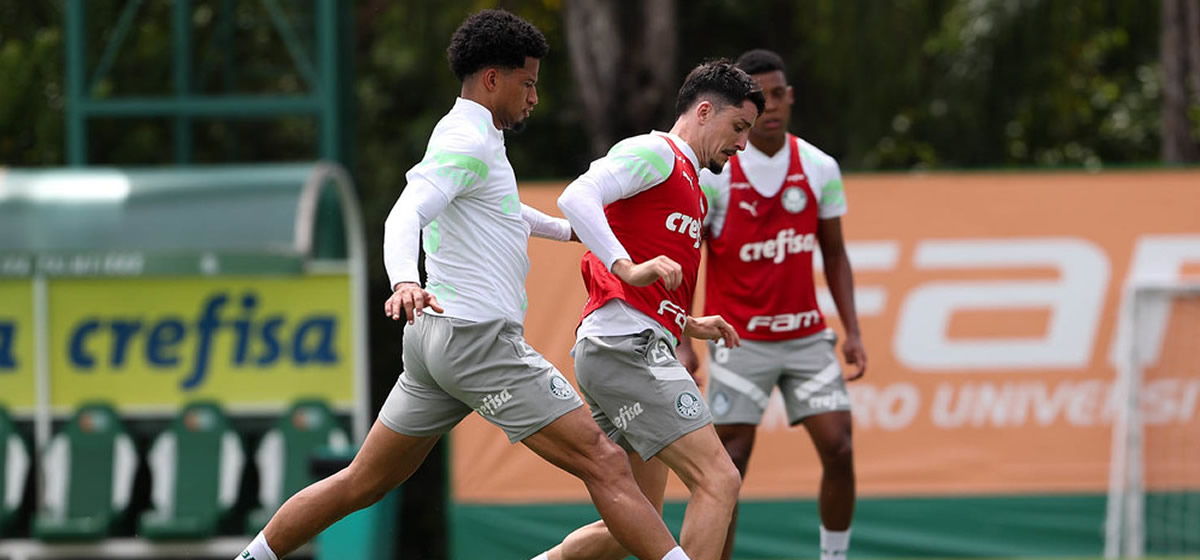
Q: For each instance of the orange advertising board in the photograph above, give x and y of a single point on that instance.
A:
(989, 305)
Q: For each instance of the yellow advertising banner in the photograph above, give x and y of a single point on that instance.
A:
(16, 346)
(989, 305)
(155, 343)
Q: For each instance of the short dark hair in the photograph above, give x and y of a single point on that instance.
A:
(493, 38)
(721, 80)
(757, 61)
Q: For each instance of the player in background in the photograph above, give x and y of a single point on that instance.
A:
(468, 353)
(771, 206)
(639, 210)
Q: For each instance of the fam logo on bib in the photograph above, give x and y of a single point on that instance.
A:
(561, 388)
(687, 405)
(794, 200)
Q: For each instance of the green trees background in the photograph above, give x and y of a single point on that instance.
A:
(880, 85)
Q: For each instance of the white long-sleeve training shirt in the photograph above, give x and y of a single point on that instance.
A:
(463, 198)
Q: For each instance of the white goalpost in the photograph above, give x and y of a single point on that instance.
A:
(1154, 483)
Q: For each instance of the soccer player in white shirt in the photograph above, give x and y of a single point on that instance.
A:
(463, 346)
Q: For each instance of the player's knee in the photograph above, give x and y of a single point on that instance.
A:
(722, 480)
(604, 460)
(838, 457)
(730, 482)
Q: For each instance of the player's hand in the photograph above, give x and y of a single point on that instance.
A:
(712, 327)
(409, 300)
(852, 349)
(646, 273)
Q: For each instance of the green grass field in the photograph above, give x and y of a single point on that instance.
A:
(1053, 527)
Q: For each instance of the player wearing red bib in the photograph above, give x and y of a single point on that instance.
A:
(640, 211)
(771, 207)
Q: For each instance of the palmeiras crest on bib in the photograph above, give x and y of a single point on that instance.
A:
(794, 200)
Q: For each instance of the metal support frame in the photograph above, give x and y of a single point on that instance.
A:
(318, 68)
(1125, 531)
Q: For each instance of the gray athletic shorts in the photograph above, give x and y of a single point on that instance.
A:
(639, 393)
(453, 366)
(806, 370)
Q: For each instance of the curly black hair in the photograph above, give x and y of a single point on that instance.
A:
(722, 83)
(493, 38)
(757, 61)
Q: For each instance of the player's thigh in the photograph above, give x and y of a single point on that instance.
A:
(387, 458)
(643, 394)
(741, 380)
(830, 433)
(574, 443)
(698, 457)
(490, 368)
(417, 406)
(812, 382)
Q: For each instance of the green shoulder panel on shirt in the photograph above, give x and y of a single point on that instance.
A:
(640, 161)
(462, 170)
(444, 292)
(710, 195)
(833, 193)
(433, 237)
(511, 204)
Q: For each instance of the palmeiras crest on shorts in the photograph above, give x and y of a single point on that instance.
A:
(561, 388)
(794, 200)
(687, 404)
(722, 354)
(720, 403)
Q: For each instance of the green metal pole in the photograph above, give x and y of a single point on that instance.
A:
(229, 75)
(182, 39)
(76, 80)
(330, 79)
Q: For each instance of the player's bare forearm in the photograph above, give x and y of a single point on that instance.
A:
(712, 327)
(649, 272)
(841, 284)
(838, 275)
(840, 279)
